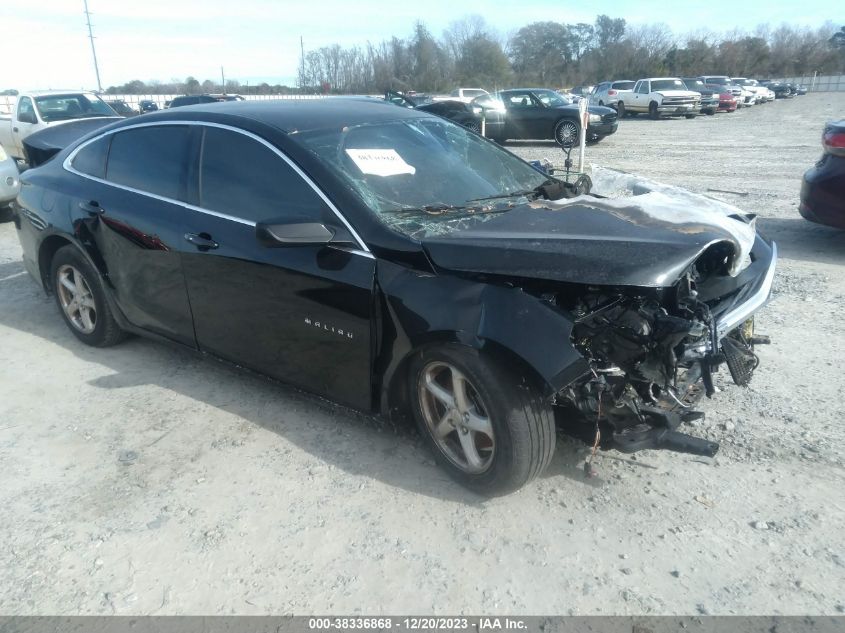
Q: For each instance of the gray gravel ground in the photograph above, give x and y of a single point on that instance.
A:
(143, 480)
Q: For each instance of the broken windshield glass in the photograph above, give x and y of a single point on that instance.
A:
(425, 176)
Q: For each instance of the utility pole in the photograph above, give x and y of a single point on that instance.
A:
(222, 80)
(93, 50)
(301, 64)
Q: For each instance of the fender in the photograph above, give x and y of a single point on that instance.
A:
(422, 308)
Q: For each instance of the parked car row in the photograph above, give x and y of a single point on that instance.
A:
(517, 114)
(685, 96)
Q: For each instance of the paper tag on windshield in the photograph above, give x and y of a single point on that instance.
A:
(380, 162)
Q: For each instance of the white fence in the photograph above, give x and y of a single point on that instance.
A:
(819, 83)
(7, 103)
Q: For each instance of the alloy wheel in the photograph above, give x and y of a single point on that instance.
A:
(76, 299)
(456, 417)
(566, 133)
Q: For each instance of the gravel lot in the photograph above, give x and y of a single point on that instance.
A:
(141, 479)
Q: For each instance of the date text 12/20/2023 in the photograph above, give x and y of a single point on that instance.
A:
(416, 624)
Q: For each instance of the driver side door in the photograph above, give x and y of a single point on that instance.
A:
(526, 117)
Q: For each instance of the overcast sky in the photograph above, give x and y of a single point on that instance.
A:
(258, 40)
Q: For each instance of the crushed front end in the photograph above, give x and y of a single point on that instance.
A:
(653, 351)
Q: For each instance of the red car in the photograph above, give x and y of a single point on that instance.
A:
(823, 187)
(727, 102)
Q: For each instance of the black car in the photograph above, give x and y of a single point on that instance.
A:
(188, 100)
(709, 94)
(781, 89)
(147, 105)
(470, 115)
(823, 187)
(121, 107)
(537, 113)
(398, 263)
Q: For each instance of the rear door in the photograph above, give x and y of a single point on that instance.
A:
(133, 209)
(297, 313)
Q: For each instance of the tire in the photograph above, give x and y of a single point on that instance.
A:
(514, 438)
(6, 213)
(620, 109)
(690, 116)
(85, 310)
(601, 103)
(566, 132)
(652, 111)
(709, 112)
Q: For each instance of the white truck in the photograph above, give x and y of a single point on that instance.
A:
(34, 111)
(660, 96)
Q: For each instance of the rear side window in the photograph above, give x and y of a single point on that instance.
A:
(91, 159)
(151, 159)
(241, 177)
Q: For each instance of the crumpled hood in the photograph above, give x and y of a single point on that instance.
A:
(648, 238)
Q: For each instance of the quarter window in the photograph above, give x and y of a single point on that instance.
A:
(91, 159)
(241, 177)
(150, 159)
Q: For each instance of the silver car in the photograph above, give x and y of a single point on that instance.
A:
(608, 93)
(10, 183)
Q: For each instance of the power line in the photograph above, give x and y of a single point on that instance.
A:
(93, 50)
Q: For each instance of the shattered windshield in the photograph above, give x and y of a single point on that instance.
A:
(71, 106)
(425, 177)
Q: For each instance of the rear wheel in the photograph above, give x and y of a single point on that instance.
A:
(690, 116)
(488, 427)
(82, 300)
(652, 111)
(566, 132)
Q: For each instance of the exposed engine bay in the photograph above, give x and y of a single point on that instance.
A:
(652, 356)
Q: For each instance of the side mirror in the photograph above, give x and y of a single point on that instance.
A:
(297, 234)
(27, 117)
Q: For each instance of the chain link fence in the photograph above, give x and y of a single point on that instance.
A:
(819, 83)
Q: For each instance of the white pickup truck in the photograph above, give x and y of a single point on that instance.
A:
(35, 111)
(660, 96)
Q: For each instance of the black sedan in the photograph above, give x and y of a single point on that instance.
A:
(147, 105)
(823, 188)
(483, 114)
(400, 264)
(537, 113)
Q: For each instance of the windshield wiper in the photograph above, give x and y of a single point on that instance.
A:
(531, 194)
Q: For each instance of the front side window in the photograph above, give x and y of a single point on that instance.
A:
(550, 98)
(643, 89)
(518, 100)
(425, 176)
(150, 159)
(71, 106)
(91, 159)
(244, 178)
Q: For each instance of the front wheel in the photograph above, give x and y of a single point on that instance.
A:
(690, 116)
(475, 126)
(82, 299)
(566, 132)
(652, 111)
(620, 109)
(488, 427)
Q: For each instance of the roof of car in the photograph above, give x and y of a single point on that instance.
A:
(290, 115)
(47, 93)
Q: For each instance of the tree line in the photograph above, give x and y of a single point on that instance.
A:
(550, 54)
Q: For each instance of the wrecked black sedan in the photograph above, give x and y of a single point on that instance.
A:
(397, 263)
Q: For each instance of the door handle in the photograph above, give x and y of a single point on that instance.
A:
(92, 207)
(202, 241)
